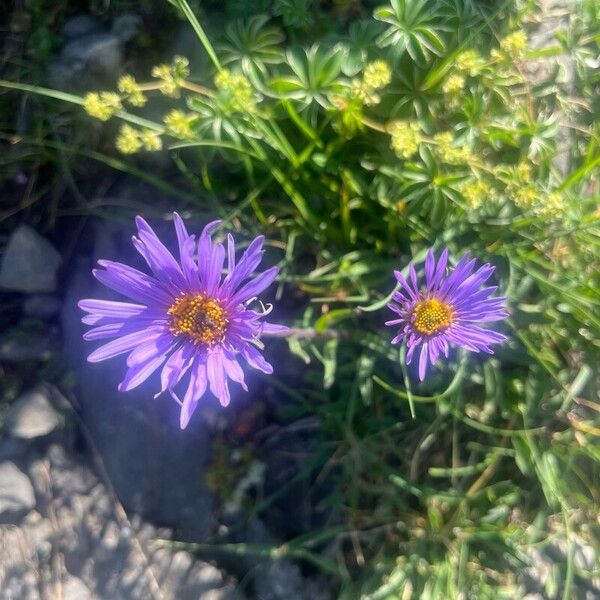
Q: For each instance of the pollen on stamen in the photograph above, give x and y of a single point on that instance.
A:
(200, 318)
(431, 316)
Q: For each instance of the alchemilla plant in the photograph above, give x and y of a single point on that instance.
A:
(410, 162)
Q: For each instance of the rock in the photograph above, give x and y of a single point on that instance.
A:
(41, 306)
(126, 27)
(91, 54)
(16, 491)
(29, 263)
(550, 71)
(74, 589)
(31, 415)
(80, 25)
(162, 475)
(18, 346)
(103, 554)
(99, 52)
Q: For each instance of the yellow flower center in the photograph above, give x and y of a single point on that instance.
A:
(431, 316)
(200, 318)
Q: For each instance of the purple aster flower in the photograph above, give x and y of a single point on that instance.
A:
(445, 311)
(185, 318)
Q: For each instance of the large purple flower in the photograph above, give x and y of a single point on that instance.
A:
(186, 318)
(446, 309)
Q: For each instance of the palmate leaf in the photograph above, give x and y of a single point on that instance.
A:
(415, 28)
(252, 45)
(297, 14)
(314, 75)
(360, 43)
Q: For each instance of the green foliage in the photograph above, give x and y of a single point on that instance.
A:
(415, 27)
(446, 487)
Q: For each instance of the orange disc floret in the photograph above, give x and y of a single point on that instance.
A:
(431, 316)
(202, 319)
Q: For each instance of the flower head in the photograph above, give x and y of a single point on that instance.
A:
(102, 105)
(185, 318)
(377, 75)
(406, 137)
(445, 311)
(128, 141)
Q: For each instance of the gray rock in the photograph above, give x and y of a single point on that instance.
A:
(18, 346)
(99, 52)
(103, 554)
(91, 54)
(29, 262)
(31, 415)
(126, 27)
(80, 25)
(552, 71)
(74, 589)
(41, 306)
(16, 491)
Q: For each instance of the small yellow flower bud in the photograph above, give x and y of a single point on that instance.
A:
(406, 138)
(128, 141)
(514, 44)
(179, 124)
(525, 197)
(551, 207)
(237, 89)
(469, 62)
(377, 75)
(128, 86)
(475, 192)
(453, 84)
(102, 105)
(151, 140)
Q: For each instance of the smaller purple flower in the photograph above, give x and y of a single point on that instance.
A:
(446, 310)
(186, 319)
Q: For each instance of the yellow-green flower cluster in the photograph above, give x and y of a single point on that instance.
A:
(448, 152)
(131, 140)
(525, 197)
(172, 75)
(179, 124)
(376, 75)
(550, 207)
(128, 86)
(523, 172)
(453, 84)
(238, 90)
(475, 192)
(469, 62)
(102, 105)
(406, 137)
(514, 44)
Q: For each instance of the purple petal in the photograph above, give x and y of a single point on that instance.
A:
(195, 391)
(217, 378)
(429, 269)
(233, 369)
(274, 329)
(210, 271)
(122, 345)
(255, 359)
(176, 366)
(132, 283)
(108, 308)
(255, 286)
(249, 261)
(139, 372)
(423, 360)
(440, 269)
